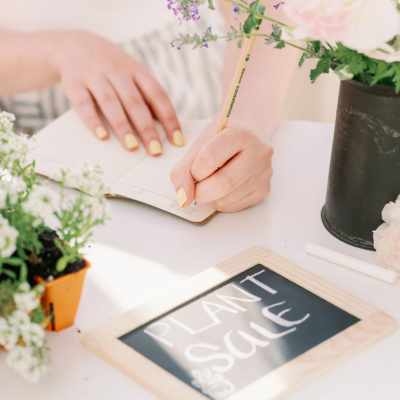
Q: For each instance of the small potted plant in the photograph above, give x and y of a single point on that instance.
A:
(360, 42)
(42, 236)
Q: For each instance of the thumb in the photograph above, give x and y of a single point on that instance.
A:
(184, 183)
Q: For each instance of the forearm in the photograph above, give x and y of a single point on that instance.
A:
(260, 103)
(25, 61)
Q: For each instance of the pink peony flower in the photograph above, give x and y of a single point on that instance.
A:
(364, 25)
(387, 245)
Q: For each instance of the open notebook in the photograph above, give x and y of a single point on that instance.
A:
(66, 143)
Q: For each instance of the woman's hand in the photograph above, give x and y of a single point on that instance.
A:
(230, 171)
(104, 84)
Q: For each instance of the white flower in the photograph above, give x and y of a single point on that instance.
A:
(10, 188)
(8, 238)
(95, 208)
(387, 244)
(30, 362)
(26, 302)
(13, 148)
(391, 212)
(88, 181)
(19, 319)
(24, 287)
(41, 203)
(9, 335)
(6, 121)
(363, 25)
(33, 335)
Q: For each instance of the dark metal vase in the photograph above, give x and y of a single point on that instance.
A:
(365, 164)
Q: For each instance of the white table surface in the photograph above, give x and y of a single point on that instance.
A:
(143, 251)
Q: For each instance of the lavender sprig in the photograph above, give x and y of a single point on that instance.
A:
(188, 10)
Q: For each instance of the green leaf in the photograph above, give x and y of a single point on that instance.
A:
(323, 67)
(253, 21)
(38, 316)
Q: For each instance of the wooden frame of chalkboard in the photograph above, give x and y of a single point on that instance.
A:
(369, 326)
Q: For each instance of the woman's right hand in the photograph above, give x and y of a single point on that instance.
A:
(104, 84)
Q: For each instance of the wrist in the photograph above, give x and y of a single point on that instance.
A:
(47, 46)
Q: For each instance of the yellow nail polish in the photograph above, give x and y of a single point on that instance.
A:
(178, 138)
(181, 197)
(101, 133)
(155, 148)
(131, 142)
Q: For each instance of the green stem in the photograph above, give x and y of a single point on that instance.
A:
(16, 262)
(246, 8)
(264, 36)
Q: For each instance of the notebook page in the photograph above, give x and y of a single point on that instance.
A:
(68, 144)
(149, 182)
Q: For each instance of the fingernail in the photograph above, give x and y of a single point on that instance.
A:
(101, 133)
(155, 148)
(131, 142)
(181, 197)
(178, 138)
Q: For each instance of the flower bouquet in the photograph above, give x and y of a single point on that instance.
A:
(359, 40)
(42, 235)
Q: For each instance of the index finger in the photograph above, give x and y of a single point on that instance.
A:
(216, 153)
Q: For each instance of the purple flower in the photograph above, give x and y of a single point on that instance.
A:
(278, 4)
(187, 10)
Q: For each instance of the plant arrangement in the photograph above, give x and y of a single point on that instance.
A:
(42, 236)
(357, 39)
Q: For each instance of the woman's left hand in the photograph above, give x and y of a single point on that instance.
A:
(230, 171)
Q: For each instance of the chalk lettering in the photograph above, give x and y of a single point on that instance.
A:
(211, 309)
(226, 360)
(277, 318)
(254, 344)
(157, 331)
(268, 334)
(233, 300)
(252, 279)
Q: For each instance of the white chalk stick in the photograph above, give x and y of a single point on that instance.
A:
(352, 263)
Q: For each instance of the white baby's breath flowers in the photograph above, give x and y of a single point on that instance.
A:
(9, 334)
(27, 361)
(89, 180)
(33, 335)
(8, 238)
(26, 302)
(23, 339)
(6, 122)
(391, 212)
(11, 188)
(41, 203)
(387, 236)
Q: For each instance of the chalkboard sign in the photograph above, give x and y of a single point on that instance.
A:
(238, 332)
(234, 330)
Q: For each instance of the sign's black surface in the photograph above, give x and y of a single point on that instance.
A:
(231, 336)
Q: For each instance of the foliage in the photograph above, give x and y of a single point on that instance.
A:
(28, 209)
(350, 64)
(378, 66)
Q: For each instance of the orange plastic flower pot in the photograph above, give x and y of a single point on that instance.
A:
(61, 299)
